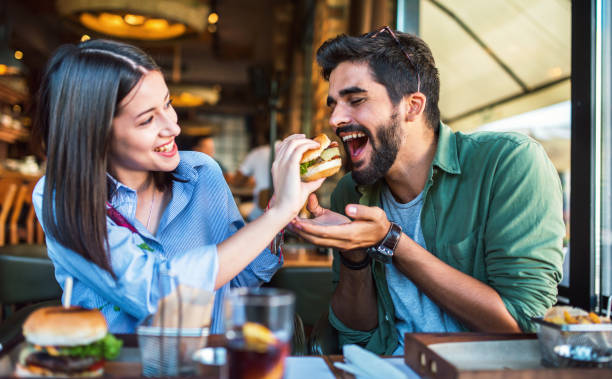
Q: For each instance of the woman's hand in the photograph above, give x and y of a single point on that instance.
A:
(289, 190)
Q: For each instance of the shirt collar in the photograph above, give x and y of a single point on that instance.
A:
(184, 172)
(446, 153)
(446, 158)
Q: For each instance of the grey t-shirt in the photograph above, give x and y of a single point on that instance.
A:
(414, 311)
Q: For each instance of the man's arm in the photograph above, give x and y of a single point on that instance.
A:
(471, 301)
(474, 303)
(354, 300)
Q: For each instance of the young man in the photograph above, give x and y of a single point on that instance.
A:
(447, 231)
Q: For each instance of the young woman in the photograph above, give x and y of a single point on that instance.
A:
(124, 213)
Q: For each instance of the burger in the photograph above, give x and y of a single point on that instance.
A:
(66, 342)
(321, 162)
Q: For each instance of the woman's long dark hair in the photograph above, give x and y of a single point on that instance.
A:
(77, 101)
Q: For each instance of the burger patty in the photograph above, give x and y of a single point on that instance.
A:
(61, 363)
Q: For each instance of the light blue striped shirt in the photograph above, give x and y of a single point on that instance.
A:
(201, 214)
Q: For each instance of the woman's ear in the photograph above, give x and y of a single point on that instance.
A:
(414, 105)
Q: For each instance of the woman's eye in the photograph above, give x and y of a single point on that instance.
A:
(357, 101)
(147, 121)
(169, 103)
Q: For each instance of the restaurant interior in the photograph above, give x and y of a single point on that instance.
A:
(242, 73)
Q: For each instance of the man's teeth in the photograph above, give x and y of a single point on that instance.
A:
(349, 137)
(164, 149)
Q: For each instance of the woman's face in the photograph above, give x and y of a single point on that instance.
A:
(143, 131)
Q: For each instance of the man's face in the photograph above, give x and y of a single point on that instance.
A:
(206, 145)
(363, 116)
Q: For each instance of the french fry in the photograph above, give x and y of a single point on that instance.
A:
(569, 318)
(594, 318)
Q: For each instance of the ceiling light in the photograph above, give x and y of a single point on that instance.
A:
(146, 20)
(134, 19)
(213, 18)
(85, 37)
(194, 96)
(18, 54)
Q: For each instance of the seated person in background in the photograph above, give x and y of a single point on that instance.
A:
(255, 171)
(448, 231)
(124, 213)
(204, 144)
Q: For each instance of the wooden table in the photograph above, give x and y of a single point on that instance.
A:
(128, 367)
(305, 257)
(133, 367)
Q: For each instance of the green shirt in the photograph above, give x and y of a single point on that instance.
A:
(493, 209)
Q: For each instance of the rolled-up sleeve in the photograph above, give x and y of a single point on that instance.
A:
(524, 233)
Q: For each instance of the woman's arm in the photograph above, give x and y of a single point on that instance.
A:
(236, 252)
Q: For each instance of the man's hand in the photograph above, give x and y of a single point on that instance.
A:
(369, 226)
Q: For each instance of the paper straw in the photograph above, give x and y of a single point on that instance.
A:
(67, 291)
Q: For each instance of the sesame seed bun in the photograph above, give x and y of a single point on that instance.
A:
(58, 326)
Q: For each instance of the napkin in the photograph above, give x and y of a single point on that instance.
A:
(365, 364)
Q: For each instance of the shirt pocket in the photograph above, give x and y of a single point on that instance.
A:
(466, 255)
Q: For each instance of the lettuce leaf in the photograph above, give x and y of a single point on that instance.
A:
(108, 348)
(304, 166)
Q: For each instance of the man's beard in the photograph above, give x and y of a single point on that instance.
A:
(384, 152)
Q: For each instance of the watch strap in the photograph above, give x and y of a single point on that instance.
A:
(385, 249)
(392, 238)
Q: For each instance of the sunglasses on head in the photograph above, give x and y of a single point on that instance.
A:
(390, 31)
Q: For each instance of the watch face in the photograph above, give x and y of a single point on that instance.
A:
(380, 253)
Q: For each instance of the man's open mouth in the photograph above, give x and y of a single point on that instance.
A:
(355, 142)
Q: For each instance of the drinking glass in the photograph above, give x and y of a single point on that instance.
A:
(259, 326)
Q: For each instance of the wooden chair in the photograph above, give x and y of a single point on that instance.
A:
(8, 190)
(32, 230)
(26, 273)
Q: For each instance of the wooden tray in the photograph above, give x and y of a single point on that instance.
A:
(427, 363)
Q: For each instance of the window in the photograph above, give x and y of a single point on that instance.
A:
(603, 122)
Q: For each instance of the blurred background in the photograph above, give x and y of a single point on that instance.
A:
(242, 73)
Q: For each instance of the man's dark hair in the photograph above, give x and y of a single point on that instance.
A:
(390, 66)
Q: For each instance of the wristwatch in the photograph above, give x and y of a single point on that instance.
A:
(383, 252)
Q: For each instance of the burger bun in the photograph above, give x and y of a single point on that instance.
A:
(322, 170)
(59, 326)
(22, 371)
(312, 154)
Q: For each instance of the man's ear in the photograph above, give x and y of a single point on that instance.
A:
(414, 105)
